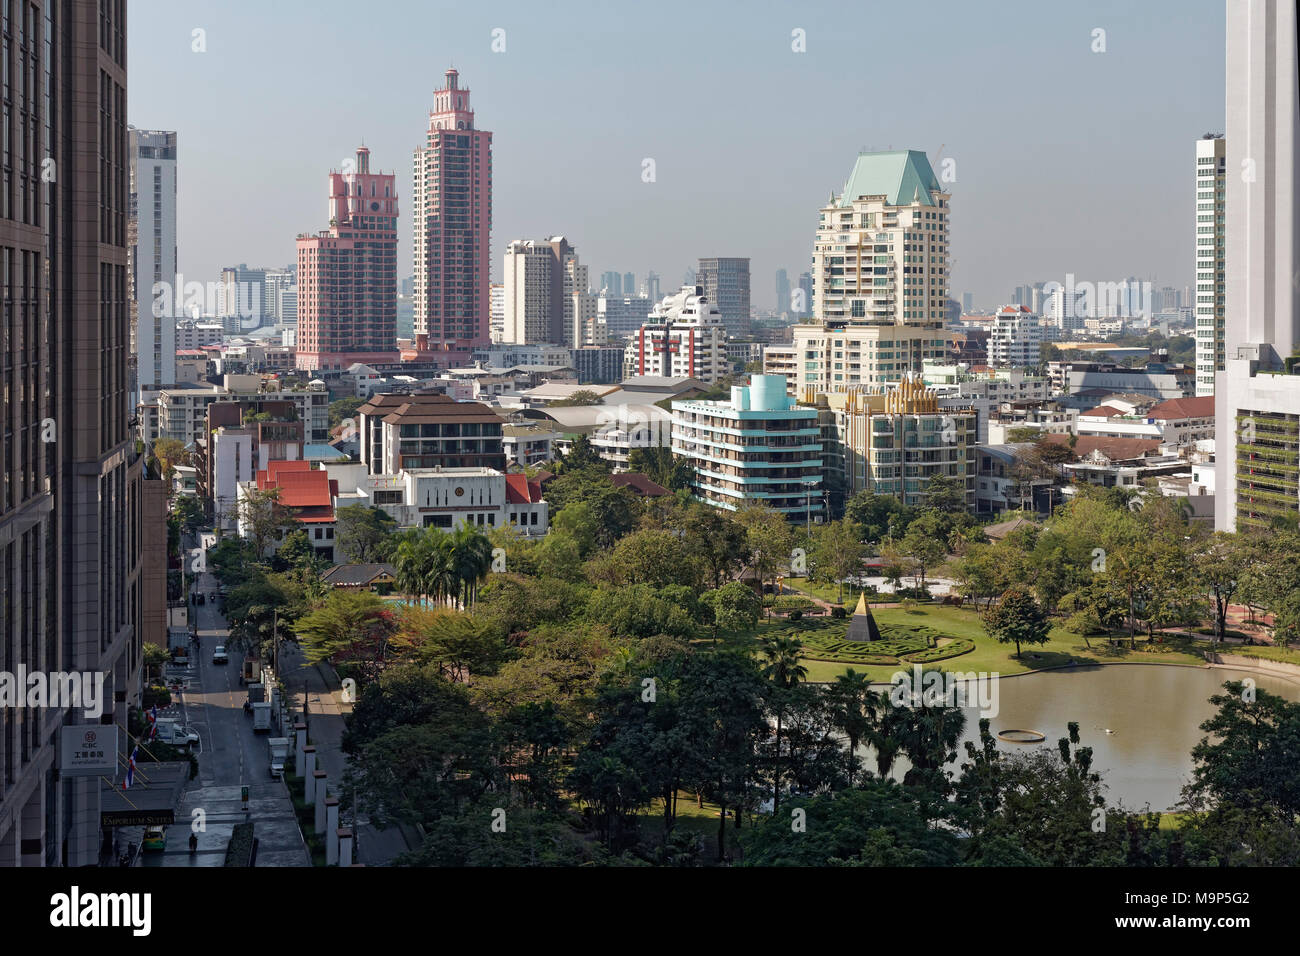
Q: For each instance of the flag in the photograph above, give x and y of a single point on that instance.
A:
(153, 713)
(130, 769)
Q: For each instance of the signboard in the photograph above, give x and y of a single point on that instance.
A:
(137, 818)
(88, 750)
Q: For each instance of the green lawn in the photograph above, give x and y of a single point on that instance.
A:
(1290, 655)
(1063, 647)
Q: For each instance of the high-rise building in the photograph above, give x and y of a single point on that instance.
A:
(497, 312)
(1257, 395)
(629, 283)
(782, 291)
(805, 306)
(612, 283)
(546, 295)
(1016, 337)
(452, 199)
(880, 272)
(622, 315)
(967, 302)
(651, 290)
(683, 337)
(151, 250)
(78, 520)
(347, 274)
(277, 282)
(1211, 176)
(726, 285)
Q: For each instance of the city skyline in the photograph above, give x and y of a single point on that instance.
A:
(1007, 139)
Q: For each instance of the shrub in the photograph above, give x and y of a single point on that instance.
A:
(838, 613)
(239, 852)
(795, 615)
(954, 648)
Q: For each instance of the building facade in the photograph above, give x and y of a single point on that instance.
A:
(726, 284)
(429, 430)
(152, 272)
(452, 203)
(683, 337)
(759, 446)
(347, 292)
(1016, 338)
(1211, 188)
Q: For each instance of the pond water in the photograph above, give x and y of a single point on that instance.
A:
(1154, 712)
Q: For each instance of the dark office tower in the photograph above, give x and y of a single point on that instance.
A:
(806, 287)
(612, 282)
(782, 291)
(652, 287)
(629, 283)
(726, 285)
(77, 518)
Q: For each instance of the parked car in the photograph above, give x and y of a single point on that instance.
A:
(219, 655)
(155, 839)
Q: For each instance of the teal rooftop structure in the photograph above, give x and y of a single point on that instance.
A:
(902, 176)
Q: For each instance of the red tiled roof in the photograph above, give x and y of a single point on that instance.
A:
(1102, 411)
(1202, 406)
(309, 492)
(521, 491)
(639, 484)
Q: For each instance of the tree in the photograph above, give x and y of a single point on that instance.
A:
(923, 546)
(1017, 618)
(187, 511)
(768, 537)
(732, 607)
(343, 409)
(470, 555)
(945, 494)
(875, 514)
(613, 511)
(838, 552)
(650, 556)
(296, 552)
(1219, 565)
(364, 535)
(170, 452)
(854, 707)
(582, 455)
(661, 466)
(715, 538)
(355, 627)
(263, 518)
(583, 396)
(782, 667)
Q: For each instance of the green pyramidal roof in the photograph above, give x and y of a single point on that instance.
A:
(903, 176)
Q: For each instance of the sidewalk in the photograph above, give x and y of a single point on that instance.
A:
(318, 687)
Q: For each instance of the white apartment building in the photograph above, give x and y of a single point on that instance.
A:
(546, 297)
(181, 410)
(151, 250)
(683, 337)
(1179, 421)
(880, 276)
(191, 334)
(1257, 395)
(1211, 237)
(1016, 338)
(496, 312)
(446, 497)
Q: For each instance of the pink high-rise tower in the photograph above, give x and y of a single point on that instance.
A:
(347, 275)
(452, 197)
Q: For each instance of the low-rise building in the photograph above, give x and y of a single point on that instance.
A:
(447, 497)
(429, 430)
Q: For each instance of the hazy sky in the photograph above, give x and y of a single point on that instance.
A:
(1067, 160)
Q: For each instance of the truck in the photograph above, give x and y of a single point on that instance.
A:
(256, 693)
(279, 750)
(252, 670)
(262, 718)
(171, 731)
(178, 643)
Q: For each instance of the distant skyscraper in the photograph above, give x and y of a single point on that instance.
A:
(243, 302)
(691, 277)
(347, 293)
(652, 287)
(967, 302)
(726, 284)
(612, 282)
(1257, 395)
(497, 311)
(629, 283)
(151, 252)
(805, 307)
(1211, 176)
(452, 199)
(782, 291)
(277, 281)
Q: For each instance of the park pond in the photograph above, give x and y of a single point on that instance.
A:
(1153, 711)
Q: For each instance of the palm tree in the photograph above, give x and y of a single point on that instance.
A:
(471, 558)
(782, 667)
(439, 567)
(850, 701)
(409, 561)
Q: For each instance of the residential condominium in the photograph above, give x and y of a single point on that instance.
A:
(880, 273)
(1257, 395)
(546, 297)
(726, 283)
(758, 447)
(151, 251)
(347, 299)
(429, 430)
(892, 443)
(452, 199)
(683, 337)
(1016, 337)
(1211, 185)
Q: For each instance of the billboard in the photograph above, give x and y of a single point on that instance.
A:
(88, 750)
